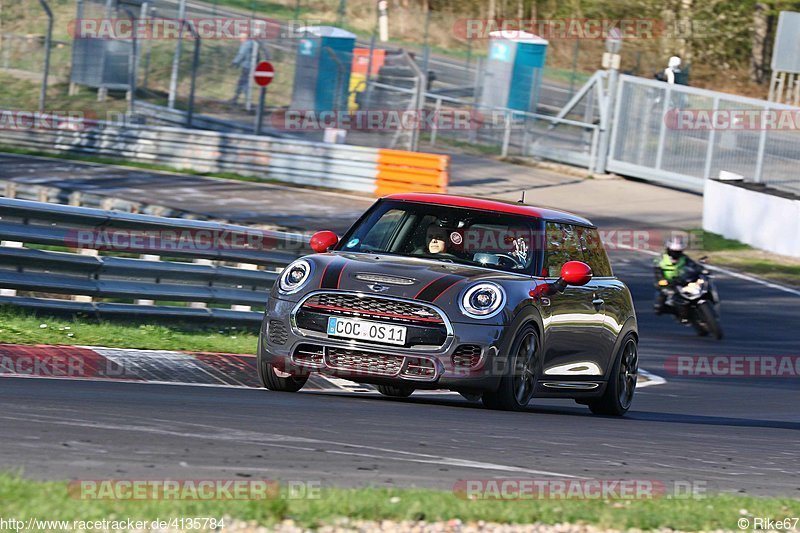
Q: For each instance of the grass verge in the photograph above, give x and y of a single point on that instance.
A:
(733, 254)
(23, 499)
(19, 327)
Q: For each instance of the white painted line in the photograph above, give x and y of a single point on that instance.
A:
(272, 440)
(652, 379)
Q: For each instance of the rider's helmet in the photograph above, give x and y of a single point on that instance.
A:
(675, 247)
(674, 62)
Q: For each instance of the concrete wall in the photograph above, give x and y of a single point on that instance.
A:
(761, 220)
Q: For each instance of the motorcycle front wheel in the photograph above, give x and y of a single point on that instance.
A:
(710, 321)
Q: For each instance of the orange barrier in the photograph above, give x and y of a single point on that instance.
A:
(401, 171)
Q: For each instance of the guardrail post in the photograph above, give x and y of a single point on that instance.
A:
(200, 305)
(10, 244)
(244, 266)
(147, 257)
(82, 297)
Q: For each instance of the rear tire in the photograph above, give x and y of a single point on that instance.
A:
(395, 391)
(617, 398)
(517, 385)
(277, 380)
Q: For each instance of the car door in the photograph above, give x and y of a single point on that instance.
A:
(573, 320)
(608, 293)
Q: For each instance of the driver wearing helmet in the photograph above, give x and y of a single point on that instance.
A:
(669, 268)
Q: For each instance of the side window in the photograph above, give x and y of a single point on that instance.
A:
(563, 244)
(594, 253)
(377, 238)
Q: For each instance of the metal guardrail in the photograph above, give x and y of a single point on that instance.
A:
(207, 265)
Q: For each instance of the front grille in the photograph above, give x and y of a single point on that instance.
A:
(358, 361)
(374, 308)
(363, 362)
(467, 356)
(277, 332)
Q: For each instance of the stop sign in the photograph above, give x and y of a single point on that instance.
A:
(264, 73)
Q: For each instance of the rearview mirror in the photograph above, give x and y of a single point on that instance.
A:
(322, 241)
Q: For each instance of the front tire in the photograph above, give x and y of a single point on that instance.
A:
(394, 391)
(618, 396)
(277, 380)
(710, 320)
(516, 387)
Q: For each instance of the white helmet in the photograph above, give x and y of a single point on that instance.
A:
(676, 244)
(674, 62)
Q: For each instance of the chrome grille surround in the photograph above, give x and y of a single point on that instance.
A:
(389, 302)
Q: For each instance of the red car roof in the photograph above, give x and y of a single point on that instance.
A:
(498, 206)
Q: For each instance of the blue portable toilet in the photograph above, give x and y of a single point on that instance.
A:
(322, 68)
(514, 70)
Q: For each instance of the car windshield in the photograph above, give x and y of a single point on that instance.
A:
(451, 234)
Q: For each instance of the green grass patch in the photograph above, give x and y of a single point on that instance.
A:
(712, 242)
(20, 327)
(23, 499)
(730, 253)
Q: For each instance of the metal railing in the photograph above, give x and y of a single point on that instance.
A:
(659, 134)
(137, 264)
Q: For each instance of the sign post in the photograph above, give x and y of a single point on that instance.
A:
(262, 76)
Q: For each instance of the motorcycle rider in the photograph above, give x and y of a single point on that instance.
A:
(669, 269)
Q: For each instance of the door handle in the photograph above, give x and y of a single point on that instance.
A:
(597, 302)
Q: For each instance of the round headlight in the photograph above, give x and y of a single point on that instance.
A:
(294, 276)
(483, 300)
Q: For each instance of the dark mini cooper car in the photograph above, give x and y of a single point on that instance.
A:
(497, 301)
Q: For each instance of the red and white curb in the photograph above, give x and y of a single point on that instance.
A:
(165, 367)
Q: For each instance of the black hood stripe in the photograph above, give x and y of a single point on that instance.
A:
(332, 273)
(435, 288)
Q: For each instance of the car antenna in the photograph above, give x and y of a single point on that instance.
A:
(522, 197)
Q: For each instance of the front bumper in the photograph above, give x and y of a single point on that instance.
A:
(466, 361)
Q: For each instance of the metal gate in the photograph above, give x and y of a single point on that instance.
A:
(662, 133)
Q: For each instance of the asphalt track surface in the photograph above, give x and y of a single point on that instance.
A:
(724, 434)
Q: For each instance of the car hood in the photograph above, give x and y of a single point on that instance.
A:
(389, 275)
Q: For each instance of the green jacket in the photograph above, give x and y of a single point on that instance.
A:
(671, 271)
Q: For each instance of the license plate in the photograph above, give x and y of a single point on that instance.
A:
(365, 330)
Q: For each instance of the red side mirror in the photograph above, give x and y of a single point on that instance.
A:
(322, 241)
(576, 273)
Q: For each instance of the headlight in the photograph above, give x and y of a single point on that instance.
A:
(483, 300)
(691, 289)
(294, 276)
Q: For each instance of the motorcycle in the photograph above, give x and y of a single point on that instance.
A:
(694, 300)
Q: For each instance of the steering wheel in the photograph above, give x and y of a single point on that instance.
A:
(509, 260)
